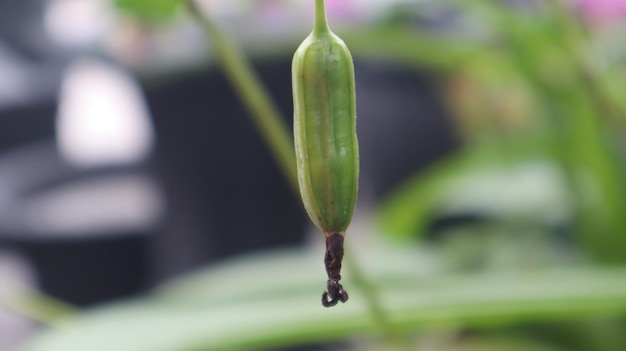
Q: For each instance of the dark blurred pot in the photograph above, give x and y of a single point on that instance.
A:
(86, 232)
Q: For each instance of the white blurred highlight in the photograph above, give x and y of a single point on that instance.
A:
(98, 206)
(77, 23)
(102, 117)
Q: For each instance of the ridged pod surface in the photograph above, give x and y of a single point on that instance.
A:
(326, 145)
(325, 130)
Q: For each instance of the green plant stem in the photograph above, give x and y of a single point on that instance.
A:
(38, 307)
(321, 25)
(376, 309)
(252, 93)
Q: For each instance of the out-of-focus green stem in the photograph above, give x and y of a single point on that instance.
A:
(252, 93)
(375, 306)
(38, 307)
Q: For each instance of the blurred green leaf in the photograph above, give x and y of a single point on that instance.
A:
(414, 48)
(152, 11)
(407, 211)
(501, 344)
(273, 300)
(597, 334)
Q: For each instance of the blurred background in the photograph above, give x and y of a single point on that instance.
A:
(142, 208)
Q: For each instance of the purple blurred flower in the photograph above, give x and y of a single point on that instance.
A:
(603, 12)
(338, 6)
(340, 10)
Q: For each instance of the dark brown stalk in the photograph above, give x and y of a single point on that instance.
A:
(332, 261)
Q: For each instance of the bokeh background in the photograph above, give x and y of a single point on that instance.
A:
(141, 207)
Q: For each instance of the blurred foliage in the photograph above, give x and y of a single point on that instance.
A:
(529, 87)
(229, 307)
(150, 11)
(515, 242)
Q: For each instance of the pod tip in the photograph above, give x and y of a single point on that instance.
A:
(332, 260)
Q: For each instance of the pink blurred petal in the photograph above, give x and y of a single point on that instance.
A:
(338, 9)
(602, 12)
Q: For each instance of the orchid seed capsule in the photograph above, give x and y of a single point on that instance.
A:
(325, 140)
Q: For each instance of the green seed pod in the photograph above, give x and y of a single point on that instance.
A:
(325, 139)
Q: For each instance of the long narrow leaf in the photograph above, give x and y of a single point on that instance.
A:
(179, 319)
